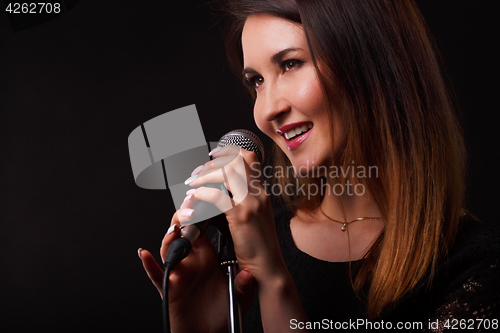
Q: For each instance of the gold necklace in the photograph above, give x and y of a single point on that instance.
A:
(345, 224)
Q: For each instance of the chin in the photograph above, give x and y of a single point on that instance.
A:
(310, 167)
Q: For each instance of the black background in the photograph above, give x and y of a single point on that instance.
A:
(72, 90)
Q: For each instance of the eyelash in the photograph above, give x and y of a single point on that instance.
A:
(252, 81)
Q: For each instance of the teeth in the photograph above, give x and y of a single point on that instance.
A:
(297, 131)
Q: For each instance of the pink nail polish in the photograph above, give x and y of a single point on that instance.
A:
(197, 170)
(215, 150)
(187, 212)
(191, 191)
(188, 197)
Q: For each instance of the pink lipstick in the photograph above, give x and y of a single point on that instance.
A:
(295, 133)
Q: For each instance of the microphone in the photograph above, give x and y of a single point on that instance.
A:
(244, 139)
(180, 247)
(160, 151)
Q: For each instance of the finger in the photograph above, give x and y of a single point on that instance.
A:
(244, 282)
(224, 151)
(233, 176)
(154, 271)
(195, 265)
(216, 163)
(253, 165)
(245, 287)
(189, 200)
(231, 150)
(210, 166)
(212, 170)
(173, 232)
(216, 197)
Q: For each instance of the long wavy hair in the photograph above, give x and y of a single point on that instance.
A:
(379, 68)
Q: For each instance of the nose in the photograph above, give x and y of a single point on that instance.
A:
(271, 104)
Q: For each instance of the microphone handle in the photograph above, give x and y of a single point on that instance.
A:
(180, 247)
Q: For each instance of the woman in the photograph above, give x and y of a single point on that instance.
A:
(342, 88)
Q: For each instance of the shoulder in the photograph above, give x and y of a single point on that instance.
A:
(476, 245)
(473, 258)
(465, 283)
(475, 234)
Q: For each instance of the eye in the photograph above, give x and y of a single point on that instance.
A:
(254, 81)
(290, 64)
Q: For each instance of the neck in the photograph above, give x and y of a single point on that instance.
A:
(319, 236)
(349, 207)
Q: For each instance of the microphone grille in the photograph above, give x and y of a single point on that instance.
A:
(244, 139)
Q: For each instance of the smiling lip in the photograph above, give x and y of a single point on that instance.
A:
(298, 141)
(283, 129)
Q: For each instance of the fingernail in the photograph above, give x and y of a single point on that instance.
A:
(191, 191)
(171, 229)
(188, 197)
(187, 212)
(215, 150)
(190, 179)
(197, 170)
(139, 253)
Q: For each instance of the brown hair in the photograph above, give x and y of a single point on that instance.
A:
(379, 67)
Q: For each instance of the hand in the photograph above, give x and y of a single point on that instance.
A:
(197, 286)
(249, 213)
(250, 218)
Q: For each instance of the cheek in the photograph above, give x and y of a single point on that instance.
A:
(308, 96)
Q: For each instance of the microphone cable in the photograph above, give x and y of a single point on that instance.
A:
(180, 247)
(177, 251)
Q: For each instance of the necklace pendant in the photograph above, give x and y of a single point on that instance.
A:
(344, 227)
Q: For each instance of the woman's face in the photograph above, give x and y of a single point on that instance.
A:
(289, 106)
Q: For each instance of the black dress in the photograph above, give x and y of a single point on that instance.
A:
(465, 292)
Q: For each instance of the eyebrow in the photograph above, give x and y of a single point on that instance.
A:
(277, 58)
